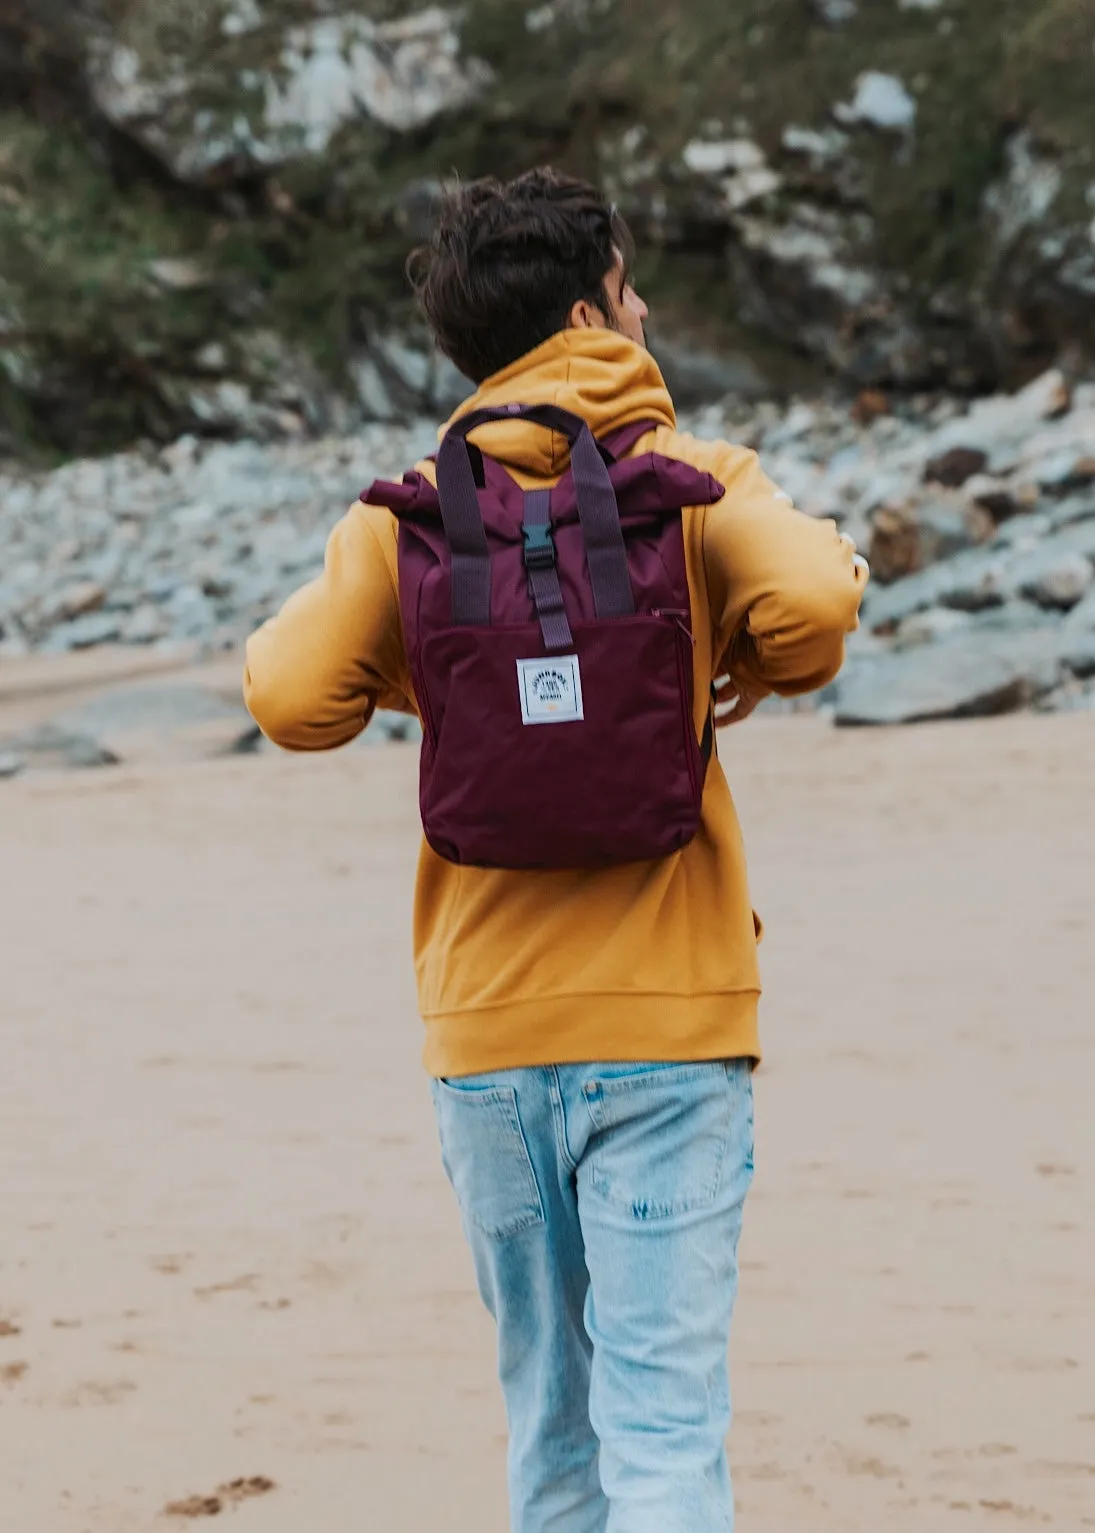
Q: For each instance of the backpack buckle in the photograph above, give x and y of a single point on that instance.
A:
(539, 546)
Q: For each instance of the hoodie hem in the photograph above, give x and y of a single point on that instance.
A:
(617, 1027)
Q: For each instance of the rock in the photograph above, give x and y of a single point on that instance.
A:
(835, 13)
(144, 625)
(168, 721)
(403, 73)
(694, 375)
(969, 582)
(407, 365)
(87, 631)
(1076, 537)
(51, 746)
(324, 74)
(870, 405)
(750, 186)
(1023, 198)
(880, 101)
(894, 549)
(1022, 532)
(448, 387)
(1079, 656)
(822, 147)
(1000, 498)
(10, 765)
(372, 391)
(928, 627)
(965, 676)
(1082, 616)
(1071, 698)
(1075, 509)
(722, 157)
(1058, 580)
(76, 600)
(998, 426)
(909, 538)
(955, 466)
(984, 577)
(177, 275)
(1066, 470)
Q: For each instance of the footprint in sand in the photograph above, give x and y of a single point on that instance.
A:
(170, 1265)
(98, 1392)
(1021, 1513)
(866, 1464)
(244, 1284)
(224, 1496)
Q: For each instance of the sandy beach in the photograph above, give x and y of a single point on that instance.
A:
(229, 1253)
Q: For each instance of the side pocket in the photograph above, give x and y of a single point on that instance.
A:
(487, 1158)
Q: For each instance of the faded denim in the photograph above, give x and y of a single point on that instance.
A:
(603, 1206)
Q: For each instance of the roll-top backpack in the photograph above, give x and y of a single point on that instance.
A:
(549, 636)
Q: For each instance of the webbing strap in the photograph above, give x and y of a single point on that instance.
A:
(543, 573)
(465, 533)
(604, 538)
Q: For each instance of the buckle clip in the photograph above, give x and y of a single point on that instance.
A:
(539, 546)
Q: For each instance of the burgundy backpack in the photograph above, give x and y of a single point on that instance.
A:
(550, 645)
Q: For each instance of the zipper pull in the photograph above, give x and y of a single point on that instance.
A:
(675, 615)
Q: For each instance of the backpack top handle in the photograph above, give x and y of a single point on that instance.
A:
(598, 513)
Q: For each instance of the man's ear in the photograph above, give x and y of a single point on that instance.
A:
(584, 316)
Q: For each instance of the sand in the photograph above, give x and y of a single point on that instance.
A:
(229, 1257)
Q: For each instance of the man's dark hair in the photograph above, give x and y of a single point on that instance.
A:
(507, 261)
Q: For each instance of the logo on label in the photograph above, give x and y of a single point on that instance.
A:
(551, 690)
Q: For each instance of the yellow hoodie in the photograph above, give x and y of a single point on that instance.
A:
(641, 962)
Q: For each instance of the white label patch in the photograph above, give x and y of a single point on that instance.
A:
(551, 690)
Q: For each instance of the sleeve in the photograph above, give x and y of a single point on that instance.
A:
(317, 670)
(784, 588)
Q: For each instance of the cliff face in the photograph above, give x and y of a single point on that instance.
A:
(205, 208)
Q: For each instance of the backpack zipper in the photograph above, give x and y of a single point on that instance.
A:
(678, 618)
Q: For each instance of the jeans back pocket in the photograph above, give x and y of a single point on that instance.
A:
(664, 1133)
(487, 1157)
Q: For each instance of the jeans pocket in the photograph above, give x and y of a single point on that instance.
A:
(487, 1157)
(664, 1134)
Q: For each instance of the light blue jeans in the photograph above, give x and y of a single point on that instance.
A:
(603, 1206)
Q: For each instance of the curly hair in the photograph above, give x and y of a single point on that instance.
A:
(507, 261)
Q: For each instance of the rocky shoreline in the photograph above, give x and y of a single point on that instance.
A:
(979, 523)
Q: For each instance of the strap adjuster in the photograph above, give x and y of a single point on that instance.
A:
(539, 546)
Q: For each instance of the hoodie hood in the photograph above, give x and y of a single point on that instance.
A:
(598, 374)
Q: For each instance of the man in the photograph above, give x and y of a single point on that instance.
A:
(591, 1034)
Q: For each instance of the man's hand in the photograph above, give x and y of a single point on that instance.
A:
(734, 701)
(859, 561)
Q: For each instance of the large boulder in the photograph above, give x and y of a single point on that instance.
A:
(964, 676)
(251, 100)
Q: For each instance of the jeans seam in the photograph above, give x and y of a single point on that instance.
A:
(558, 1117)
